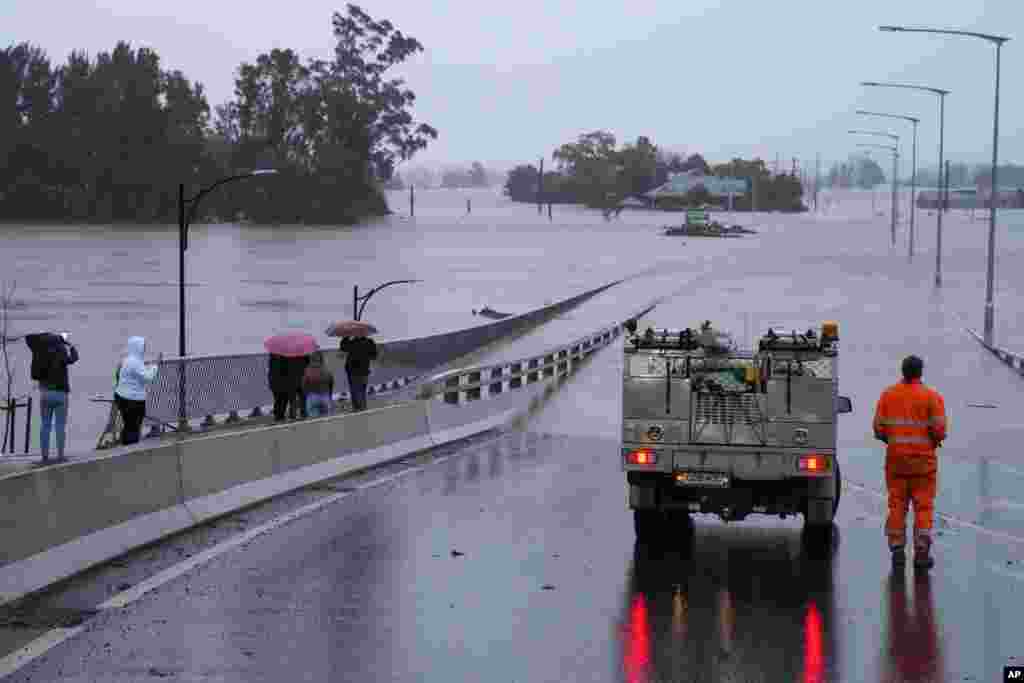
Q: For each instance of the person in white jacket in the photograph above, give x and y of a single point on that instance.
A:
(130, 391)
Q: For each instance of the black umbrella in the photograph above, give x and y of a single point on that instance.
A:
(43, 342)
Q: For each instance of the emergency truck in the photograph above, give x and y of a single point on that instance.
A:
(711, 428)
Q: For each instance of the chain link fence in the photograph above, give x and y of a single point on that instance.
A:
(225, 386)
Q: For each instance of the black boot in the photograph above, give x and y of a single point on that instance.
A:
(922, 551)
(899, 555)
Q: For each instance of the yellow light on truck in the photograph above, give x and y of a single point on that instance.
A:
(830, 328)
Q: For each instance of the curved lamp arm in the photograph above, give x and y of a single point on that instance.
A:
(876, 84)
(194, 201)
(985, 36)
(366, 297)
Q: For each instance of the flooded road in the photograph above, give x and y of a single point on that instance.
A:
(514, 559)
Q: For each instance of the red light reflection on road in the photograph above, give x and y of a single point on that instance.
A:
(636, 651)
(814, 655)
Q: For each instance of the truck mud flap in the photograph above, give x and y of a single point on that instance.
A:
(642, 497)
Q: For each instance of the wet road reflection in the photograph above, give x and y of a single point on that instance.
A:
(730, 603)
(912, 643)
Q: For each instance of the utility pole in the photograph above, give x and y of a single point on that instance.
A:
(540, 188)
(817, 179)
(895, 162)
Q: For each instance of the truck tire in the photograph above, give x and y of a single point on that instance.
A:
(839, 489)
(648, 525)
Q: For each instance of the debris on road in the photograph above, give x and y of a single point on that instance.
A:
(456, 553)
(982, 405)
(547, 587)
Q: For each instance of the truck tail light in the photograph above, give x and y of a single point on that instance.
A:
(814, 463)
(641, 456)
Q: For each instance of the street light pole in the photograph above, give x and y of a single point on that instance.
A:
(998, 41)
(895, 158)
(942, 134)
(913, 176)
(989, 304)
(184, 219)
(943, 181)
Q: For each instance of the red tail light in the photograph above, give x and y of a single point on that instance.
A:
(641, 456)
(814, 463)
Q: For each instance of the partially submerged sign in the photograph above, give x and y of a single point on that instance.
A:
(696, 217)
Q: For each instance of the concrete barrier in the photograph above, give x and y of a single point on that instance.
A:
(62, 520)
(226, 472)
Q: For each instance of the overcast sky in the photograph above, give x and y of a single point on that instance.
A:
(511, 81)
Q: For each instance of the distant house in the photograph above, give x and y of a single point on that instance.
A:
(972, 198)
(681, 184)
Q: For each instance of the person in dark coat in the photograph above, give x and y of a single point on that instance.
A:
(51, 356)
(285, 378)
(360, 351)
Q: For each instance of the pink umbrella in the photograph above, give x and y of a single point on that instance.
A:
(350, 328)
(291, 344)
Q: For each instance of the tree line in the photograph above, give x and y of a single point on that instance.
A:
(594, 171)
(858, 171)
(110, 139)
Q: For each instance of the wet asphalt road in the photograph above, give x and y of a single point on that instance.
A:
(513, 558)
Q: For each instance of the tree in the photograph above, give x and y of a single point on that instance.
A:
(695, 162)
(639, 167)
(111, 138)
(868, 173)
(521, 185)
(478, 175)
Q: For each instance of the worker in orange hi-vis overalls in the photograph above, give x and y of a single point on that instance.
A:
(911, 420)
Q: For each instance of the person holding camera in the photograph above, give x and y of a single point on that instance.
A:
(51, 356)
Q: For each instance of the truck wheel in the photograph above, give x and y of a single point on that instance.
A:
(839, 489)
(647, 524)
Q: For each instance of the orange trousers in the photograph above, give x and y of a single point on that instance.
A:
(904, 488)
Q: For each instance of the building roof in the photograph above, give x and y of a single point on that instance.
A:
(681, 183)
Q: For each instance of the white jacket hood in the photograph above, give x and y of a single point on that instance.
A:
(134, 374)
(137, 347)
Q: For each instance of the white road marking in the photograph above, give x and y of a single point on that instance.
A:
(51, 639)
(1003, 571)
(1014, 470)
(947, 518)
(36, 649)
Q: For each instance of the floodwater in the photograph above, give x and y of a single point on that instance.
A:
(516, 556)
(106, 283)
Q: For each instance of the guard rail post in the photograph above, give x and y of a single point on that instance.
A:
(11, 423)
(28, 423)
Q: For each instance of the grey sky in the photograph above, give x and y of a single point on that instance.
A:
(510, 81)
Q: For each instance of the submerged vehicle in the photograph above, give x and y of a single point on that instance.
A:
(711, 428)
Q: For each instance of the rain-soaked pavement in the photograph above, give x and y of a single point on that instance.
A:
(513, 559)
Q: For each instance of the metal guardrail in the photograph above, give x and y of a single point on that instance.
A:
(10, 410)
(475, 383)
(1011, 359)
